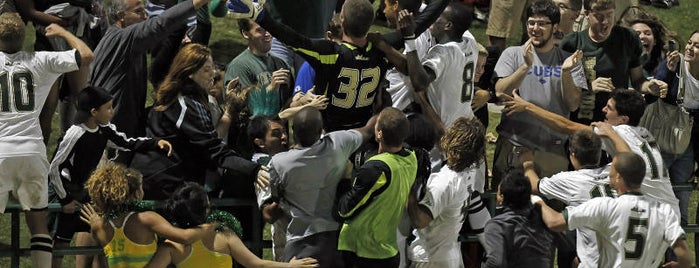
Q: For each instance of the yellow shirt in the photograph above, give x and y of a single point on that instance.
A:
(200, 255)
(121, 252)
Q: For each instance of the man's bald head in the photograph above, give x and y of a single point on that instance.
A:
(308, 125)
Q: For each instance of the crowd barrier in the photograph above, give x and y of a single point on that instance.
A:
(255, 243)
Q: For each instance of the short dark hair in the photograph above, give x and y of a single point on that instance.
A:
(597, 5)
(515, 190)
(358, 15)
(461, 17)
(545, 8)
(629, 103)
(394, 126)
(410, 5)
(188, 205)
(586, 146)
(422, 133)
(258, 127)
(631, 168)
(464, 143)
(244, 25)
(308, 125)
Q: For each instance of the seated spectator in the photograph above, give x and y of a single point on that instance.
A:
(517, 237)
(188, 208)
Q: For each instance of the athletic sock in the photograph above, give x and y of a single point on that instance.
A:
(41, 247)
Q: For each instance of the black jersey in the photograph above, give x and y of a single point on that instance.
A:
(348, 75)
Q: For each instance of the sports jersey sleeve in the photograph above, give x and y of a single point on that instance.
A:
(558, 187)
(437, 195)
(478, 215)
(119, 140)
(64, 151)
(436, 60)
(58, 62)
(304, 79)
(592, 214)
(316, 52)
(673, 231)
(372, 179)
(143, 36)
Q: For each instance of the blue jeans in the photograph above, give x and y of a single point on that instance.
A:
(680, 167)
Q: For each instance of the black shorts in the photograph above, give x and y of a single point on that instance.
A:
(69, 224)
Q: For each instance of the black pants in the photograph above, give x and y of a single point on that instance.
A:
(354, 261)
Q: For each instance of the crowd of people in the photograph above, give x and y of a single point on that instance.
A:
(361, 149)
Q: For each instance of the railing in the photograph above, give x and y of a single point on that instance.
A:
(256, 243)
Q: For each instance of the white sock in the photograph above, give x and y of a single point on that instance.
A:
(41, 246)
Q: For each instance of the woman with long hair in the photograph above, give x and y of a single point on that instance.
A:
(188, 208)
(182, 114)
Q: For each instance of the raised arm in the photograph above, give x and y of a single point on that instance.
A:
(77, 80)
(605, 130)
(507, 84)
(570, 92)
(423, 21)
(555, 121)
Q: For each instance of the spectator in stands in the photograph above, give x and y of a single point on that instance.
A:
(543, 74)
(78, 154)
(517, 237)
(305, 180)
(449, 193)
(181, 115)
(570, 11)
(653, 35)
(125, 229)
(120, 58)
(611, 58)
(269, 137)
(23, 164)
(189, 207)
(675, 69)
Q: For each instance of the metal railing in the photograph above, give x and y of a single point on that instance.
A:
(256, 243)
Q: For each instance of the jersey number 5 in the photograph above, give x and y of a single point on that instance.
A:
(21, 89)
(635, 238)
(356, 82)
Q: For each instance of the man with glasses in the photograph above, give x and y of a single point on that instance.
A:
(570, 11)
(543, 74)
(611, 57)
(120, 58)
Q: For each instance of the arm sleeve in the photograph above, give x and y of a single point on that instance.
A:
(495, 246)
(197, 127)
(58, 62)
(372, 179)
(558, 188)
(218, 8)
(423, 21)
(347, 140)
(119, 140)
(478, 214)
(65, 149)
(508, 62)
(437, 195)
(315, 52)
(434, 60)
(590, 214)
(144, 35)
(674, 231)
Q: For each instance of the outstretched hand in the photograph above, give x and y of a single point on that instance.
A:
(54, 30)
(304, 263)
(89, 215)
(514, 104)
(406, 23)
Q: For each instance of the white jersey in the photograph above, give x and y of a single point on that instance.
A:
(632, 230)
(448, 195)
(450, 94)
(656, 183)
(25, 82)
(400, 88)
(574, 188)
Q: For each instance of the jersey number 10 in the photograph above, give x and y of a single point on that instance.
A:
(21, 89)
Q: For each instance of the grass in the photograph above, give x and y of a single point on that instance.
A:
(226, 42)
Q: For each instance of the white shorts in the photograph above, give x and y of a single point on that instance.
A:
(27, 178)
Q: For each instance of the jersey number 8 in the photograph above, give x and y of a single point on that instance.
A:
(21, 89)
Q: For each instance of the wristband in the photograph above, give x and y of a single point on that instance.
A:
(409, 37)
(535, 199)
(410, 45)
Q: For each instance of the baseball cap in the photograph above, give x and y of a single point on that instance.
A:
(88, 99)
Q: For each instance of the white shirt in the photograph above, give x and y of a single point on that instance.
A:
(26, 79)
(632, 230)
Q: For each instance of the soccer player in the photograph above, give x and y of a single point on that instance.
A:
(632, 230)
(449, 193)
(589, 180)
(623, 112)
(26, 80)
(348, 73)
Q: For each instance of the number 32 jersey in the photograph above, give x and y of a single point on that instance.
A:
(632, 230)
(25, 82)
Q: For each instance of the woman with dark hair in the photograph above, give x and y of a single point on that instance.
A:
(188, 208)
(517, 237)
(182, 114)
(653, 35)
